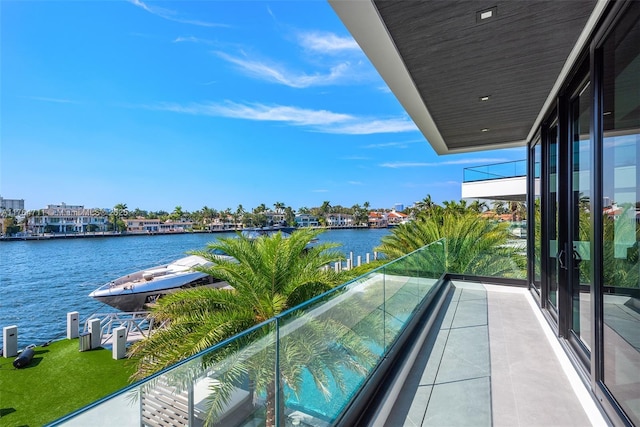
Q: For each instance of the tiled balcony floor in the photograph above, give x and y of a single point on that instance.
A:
(493, 361)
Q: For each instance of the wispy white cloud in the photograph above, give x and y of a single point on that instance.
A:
(277, 73)
(320, 190)
(355, 183)
(57, 100)
(192, 39)
(368, 127)
(172, 15)
(317, 120)
(435, 164)
(327, 43)
(259, 112)
(396, 144)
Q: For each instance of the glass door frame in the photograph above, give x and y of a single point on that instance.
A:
(570, 279)
(601, 391)
(547, 213)
(534, 171)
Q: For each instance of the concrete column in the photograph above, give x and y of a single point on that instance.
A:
(359, 261)
(351, 258)
(119, 348)
(96, 333)
(375, 255)
(368, 258)
(349, 264)
(10, 341)
(73, 324)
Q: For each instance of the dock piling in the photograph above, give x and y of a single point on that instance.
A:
(73, 324)
(10, 341)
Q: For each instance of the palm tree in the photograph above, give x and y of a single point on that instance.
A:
(478, 206)
(474, 245)
(499, 207)
(177, 214)
(278, 206)
(457, 207)
(326, 207)
(425, 204)
(119, 211)
(289, 215)
(268, 275)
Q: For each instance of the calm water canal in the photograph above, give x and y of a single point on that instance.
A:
(40, 281)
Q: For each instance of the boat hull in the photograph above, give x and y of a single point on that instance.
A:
(136, 291)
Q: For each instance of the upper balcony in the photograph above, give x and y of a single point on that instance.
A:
(498, 181)
(410, 343)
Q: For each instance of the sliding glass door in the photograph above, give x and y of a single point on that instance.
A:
(620, 230)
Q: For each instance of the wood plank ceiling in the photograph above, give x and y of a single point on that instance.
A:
(455, 59)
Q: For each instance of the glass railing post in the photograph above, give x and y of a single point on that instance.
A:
(278, 405)
(384, 309)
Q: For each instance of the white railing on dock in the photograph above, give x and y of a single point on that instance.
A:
(138, 324)
(339, 266)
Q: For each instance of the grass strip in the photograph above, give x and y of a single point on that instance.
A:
(59, 380)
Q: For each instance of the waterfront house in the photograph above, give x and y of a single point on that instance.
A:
(307, 220)
(377, 220)
(63, 218)
(338, 220)
(142, 225)
(395, 218)
(560, 347)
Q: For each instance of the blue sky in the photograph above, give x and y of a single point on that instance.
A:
(216, 103)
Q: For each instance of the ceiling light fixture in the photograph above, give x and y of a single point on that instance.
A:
(484, 98)
(484, 130)
(483, 15)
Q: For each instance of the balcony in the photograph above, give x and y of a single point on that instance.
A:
(406, 344)
(498, 181)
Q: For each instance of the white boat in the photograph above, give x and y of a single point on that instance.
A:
(136, 290)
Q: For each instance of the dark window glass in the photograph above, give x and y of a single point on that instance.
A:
(621, 216)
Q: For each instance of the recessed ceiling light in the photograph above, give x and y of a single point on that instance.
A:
(484, 98)
(606, 113)
(484, 130)
(483, 15)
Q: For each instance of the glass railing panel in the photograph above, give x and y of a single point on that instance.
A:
(502, 170)
(122, 410)
(407, 283)
(331, 345)
(229, 384)
(301, 368)
(328, 348)
(508, 259)
(237, 383)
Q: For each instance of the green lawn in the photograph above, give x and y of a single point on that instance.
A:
(59, 380)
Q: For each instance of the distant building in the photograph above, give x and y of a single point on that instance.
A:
(398, 207)
(377, 220)
(12, 204)
(395, 218)
(307, 220)
(65, 218)
(274, 218)
(143, 225)
(147, 226)
(339, 220)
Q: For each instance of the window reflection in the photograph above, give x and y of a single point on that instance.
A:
(621, 215)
